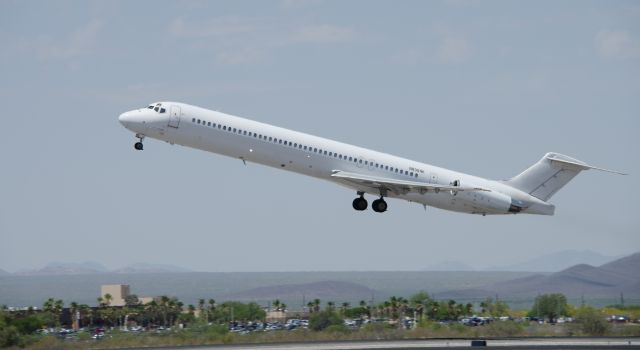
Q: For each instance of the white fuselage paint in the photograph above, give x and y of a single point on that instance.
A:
(243, 141)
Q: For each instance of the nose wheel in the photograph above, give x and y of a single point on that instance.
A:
(138, 145)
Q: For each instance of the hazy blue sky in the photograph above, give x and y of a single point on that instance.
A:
(484, 87)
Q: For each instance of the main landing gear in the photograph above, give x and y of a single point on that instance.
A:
(138, 145)
(360, 204)
(379, 205)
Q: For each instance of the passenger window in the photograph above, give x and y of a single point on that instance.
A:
(208, 123)
(295, 145)
(305, 148)
(280, 141)
(224, 128)
(245, 132)
(270, 138)
(366, 162)
(193, 120)
(350, 159)
(360, 161)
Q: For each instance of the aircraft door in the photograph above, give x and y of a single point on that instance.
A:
(174, 117)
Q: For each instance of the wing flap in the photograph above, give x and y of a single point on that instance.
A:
(397, 186)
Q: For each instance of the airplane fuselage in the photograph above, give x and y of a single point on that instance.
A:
(277, 147)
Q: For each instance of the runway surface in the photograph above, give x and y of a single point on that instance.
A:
(538, 343)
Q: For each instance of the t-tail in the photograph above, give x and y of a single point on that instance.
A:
(543, 179)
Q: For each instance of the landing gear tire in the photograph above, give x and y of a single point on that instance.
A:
(138, 146)
(379, 205)
(360, 204)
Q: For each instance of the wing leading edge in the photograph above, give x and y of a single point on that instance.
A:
(396, 186)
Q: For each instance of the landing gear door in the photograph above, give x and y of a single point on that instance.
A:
(174, 117)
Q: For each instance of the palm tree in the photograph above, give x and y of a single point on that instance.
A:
(201, 310)
(276, 305)
(164, 306)
(75, 318)
(58, 307)
(316, 305)
(344, 307)
(151, 311)
(310, 306)
(212, 308)
(86, 314)
(49, 307)
(107, 299)
(330, 305)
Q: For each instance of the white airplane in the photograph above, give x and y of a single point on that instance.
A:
(360, 169)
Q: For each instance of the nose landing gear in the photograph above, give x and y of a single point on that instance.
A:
(138, 145)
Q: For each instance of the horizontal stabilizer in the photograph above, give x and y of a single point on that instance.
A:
(555, 158)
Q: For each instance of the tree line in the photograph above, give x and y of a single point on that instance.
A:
(169, 311)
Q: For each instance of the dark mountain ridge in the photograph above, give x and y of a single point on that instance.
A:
(608, 280)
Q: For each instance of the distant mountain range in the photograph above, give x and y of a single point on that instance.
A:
(91, 267)
(543, 263)
(556, 261)
(450, 266)
(605, 281)
(4, 273)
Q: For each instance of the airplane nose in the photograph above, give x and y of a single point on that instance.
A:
(125, 118)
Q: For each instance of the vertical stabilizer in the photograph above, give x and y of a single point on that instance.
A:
(543, 179)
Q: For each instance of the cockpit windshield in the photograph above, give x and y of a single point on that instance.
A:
(157, 107)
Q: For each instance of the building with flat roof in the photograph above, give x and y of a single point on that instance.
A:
(118, 292)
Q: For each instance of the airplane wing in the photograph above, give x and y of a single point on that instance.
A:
(396, 186)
